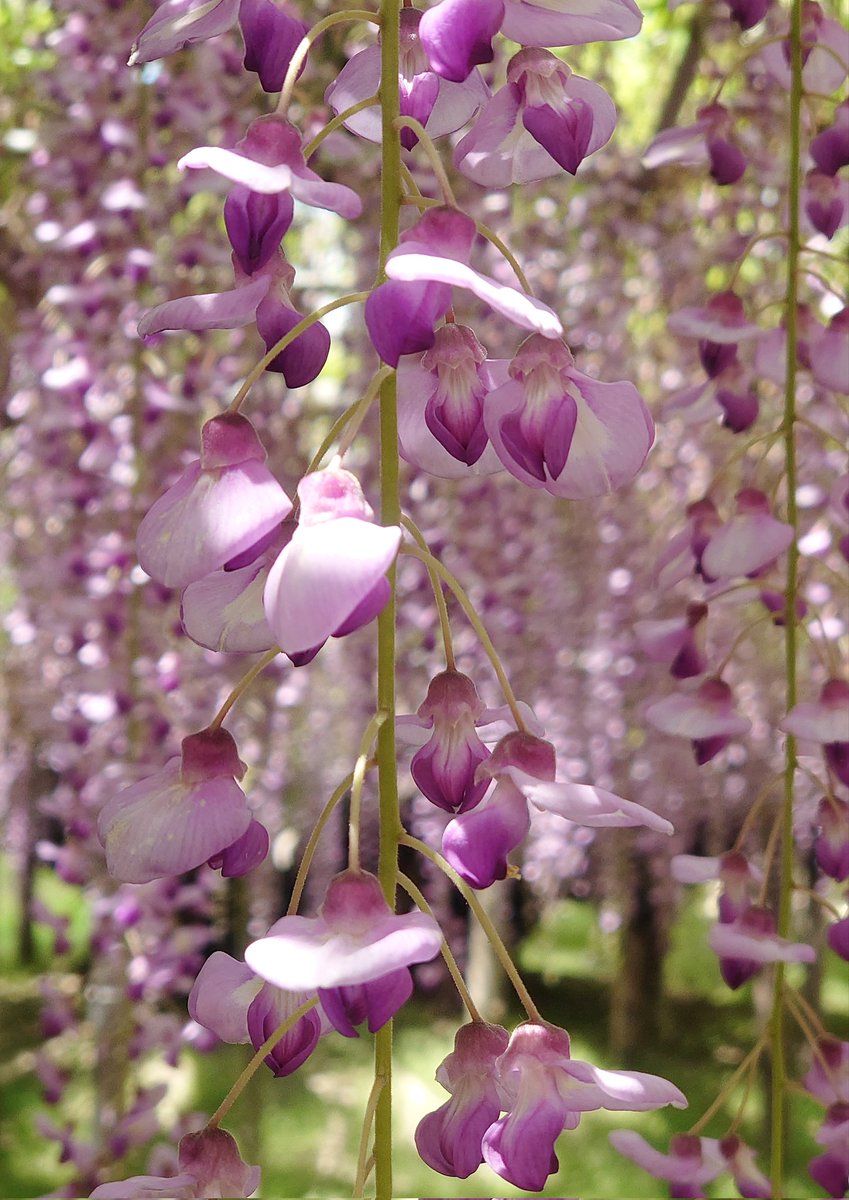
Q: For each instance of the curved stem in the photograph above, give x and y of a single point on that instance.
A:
(363, 1158)
(420, 201)
(243, 685)
(336, 122)
(746, 1065)
(357, 777)
(256, 1062)
(439, 598)
(476, 623)
(432, 153)
(484, 920)
(779, 1066)
(754, 810)
(287, 339)
(361, 409)
(312, 843)
(303, 48)
(450, 961)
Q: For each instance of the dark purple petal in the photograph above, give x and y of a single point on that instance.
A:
(271, 38)
(727, 161)
(417, 98)
(368, 608)
(256, 223)
(564, 133)
(457, 35)
(400, 317)
(268, 1010)
(477, 843)
(303, 359)
(740, 408)
(244, 854)
(748, 13)
(715, 357)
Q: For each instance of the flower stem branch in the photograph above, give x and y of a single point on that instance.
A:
(303, 48)
(450, 961)
(433, 156)
(439, 598)
(287, 339)
(242, 686)
(364, 1160)
(420, 201)
(746, 1065)
(357, 777)
(257, 1061)
(312, 843)
(484, 920)
(474, 620)
(336, 122)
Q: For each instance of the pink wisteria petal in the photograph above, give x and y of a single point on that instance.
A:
(310, 188)
(570, 22)
(149, 1187)
(684, 715)
(223, 611)
(302, 954)
(682, 145)
(161, 827)
(744, 545)
(213, 310)
(734, 941)
(180, 23)
(696, 1170)
(521, 309)
(586, 805)
(498, 150)
(207, 518)
(694, 868)
(417, 444)
(456, 104)
(817, 723)
(322, 575)
(358, 79)
(633, 1091)
(221, 996)
(238, 168)
(825, 67)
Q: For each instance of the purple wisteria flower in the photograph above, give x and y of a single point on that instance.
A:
(826, 201)
(691, 1162)
(825, 53)
(449, 1139)
(271, 38)
(476, 843)
(234, 1003)
(749, 543)
(545, 119)
(270, 159)
(830, 148)
(430, 259)
(825, 722)
(543, 1091)
(706, 716)
(707, 141)
(330, 578)
(180, 23)
(210, 1165)
(444, 768)
(831, 1170)
(221, 505)
(440, 105)
(679, 642)
(555, 428)
(745, 944)
(831, 848)
(457, 34)
(355, 941)
(190, 812)
(441, 400)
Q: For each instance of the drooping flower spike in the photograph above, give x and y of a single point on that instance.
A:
(545, 119)
(437, 103)
(191, 811)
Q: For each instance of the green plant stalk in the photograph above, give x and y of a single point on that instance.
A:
(777, 1032)
(391, 192)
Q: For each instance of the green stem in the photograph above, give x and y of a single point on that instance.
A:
(484, 920)
(439, 598)
(303, 48)
(426, 142)
(363, 1158)
(450, 961)
(242, 686)
(309, 852)
(779, 1064)
(256, 1062)
(474, 620)
(391, 192)
(333, 124)
(287, 339)
(357, 778)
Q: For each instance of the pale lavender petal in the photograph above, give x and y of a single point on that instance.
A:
(214, 310)
(744, 545)
(570, 22)
(693, 1169)
(521, 309)
(734, 941)
(179, 23)
(149, 1187)
(162, 827)
(321, 577)
(359, 78)
(456, 104)
(684, 145)
(693, 868)
(310, 188)
(238, 168)
(586, 805)
(224, 610)
(457, 35)
(634, 1091)
(221, 995)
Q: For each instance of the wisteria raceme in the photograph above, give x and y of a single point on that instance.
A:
(575, 603)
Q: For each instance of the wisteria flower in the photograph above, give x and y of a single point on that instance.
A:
(831, 1170)
(826, 722)
(750, 941)
(722, 320)
(270, 159)
(439, 104)
(747, 544)
(441, 400)
(330, 579)
(430, 259)
(222, 504)
(678, 642)
(234, 1003)
(271, 38)
(545, 119)
(831, 847)
(706, 716)
(828, 1077)
(457, 34)
(544, 1091)
(708, 140)
(444, 768)
(210, 1165)
(449, 1139)
(555, 428)
(830, 148)
(825, 53)
(826, 201)
(187, 813)
(682, 557)
(691, 1162)
(355, 941)
(180, 23)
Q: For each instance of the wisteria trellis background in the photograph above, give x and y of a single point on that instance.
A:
(509, 585)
